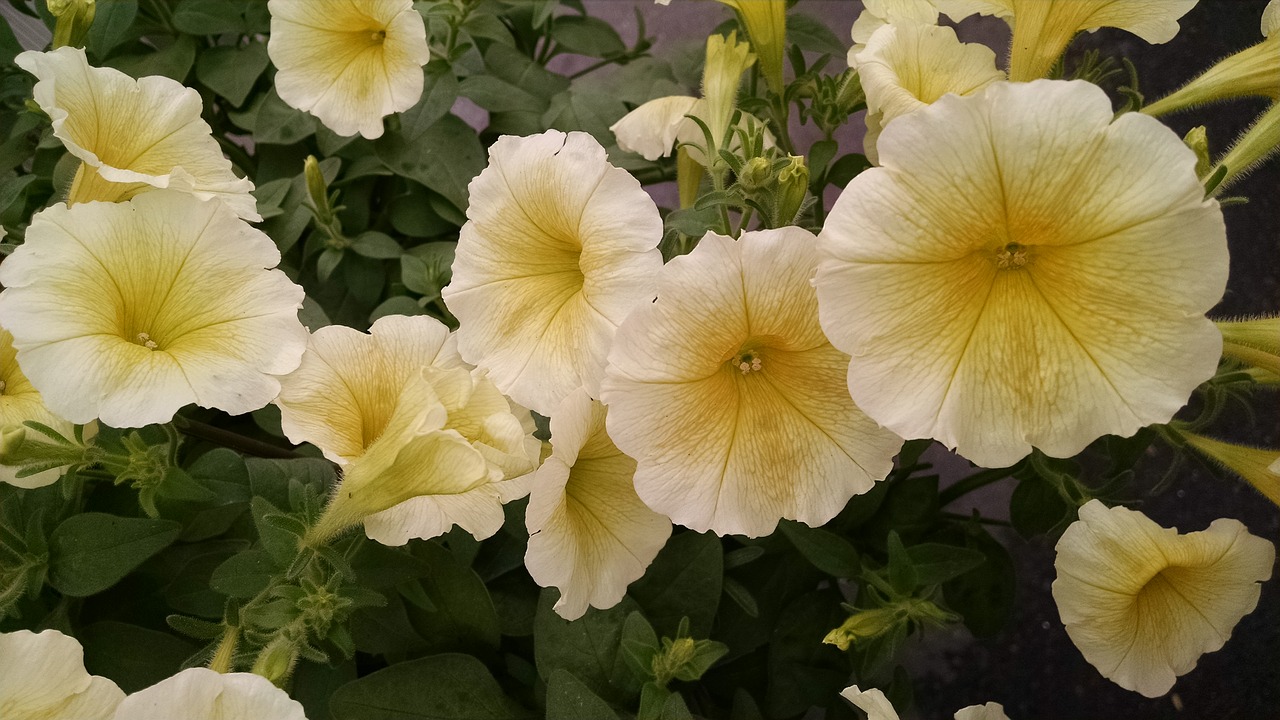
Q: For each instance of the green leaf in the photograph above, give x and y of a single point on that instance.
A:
(130, 656)
(439, 92)
(90, 552)
(828, 552)
(984, 596)
(396, 305)
(587, 647)
(280, 544)
(440, 687)
(588, 36)
(172, 61)
(201, 17)
(112, 20)
(270, 479)
(462, 614)
(411, 214)
(376, 245)
(591, 112)
(936, 563)
(685, 579)
(567, 697)
(902, 573)
(1036, 507)
(232, 71)
(813, 35)
(272, 121)
(804, 672)
(245, 574)
(444, 157)
(497, 95)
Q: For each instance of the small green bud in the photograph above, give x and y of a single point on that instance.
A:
(74, 20)
(850, 95)
(793, 185)
(317, 188)
(276, 660)
(863, 625)
(1198, 140)
(755, 174)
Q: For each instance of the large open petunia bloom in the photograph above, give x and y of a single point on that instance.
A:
(348, 63)
(132, 136)
(1143, 603)
(424, 441)
(202, 694)
(731, 399)
(128, 311)
(1042, 29)
(20, 402)
(589, 533)
(44, 679)
(1022, 271)
(558, 247)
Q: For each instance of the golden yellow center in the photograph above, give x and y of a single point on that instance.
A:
(145, 341)
(747, 362)
(1012, 256)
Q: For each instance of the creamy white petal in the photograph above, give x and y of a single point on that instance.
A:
(907, 67)
(652, 128)
(1024, 272)
(132, 135)
(988, 711)
(202, 694)
(1271, 18)
(348, 63)
(1143, 603)
(730, 398)
(589, 533)
(872, 702)
(558, 247)
(44, 679)
(20, 402)
(129, 311)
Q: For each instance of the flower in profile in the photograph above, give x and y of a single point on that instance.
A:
(1042, 29)
(1142, 603)
(128, 311)
(877, 707)
(202, 694)
(589, 533)
(20, 402)
(44, 679)
(730, 398)
(907, 67)
(1258, 466)
(766, 25)
(132, 136)
(348, 63)
(424, 442)
(1022, 271)
(559, 246)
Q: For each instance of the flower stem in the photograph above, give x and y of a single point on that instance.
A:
(228, 439)
(977, 480)
(223, 657)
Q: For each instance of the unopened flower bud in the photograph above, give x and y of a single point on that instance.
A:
(317, 188)
(74, 20)
(1198, 140)
(793, 185)
(755, 174)
(863, 625)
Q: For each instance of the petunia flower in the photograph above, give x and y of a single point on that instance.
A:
(589, 533)
(766, 25)
(1042, 29)
(348, 63)
(128, 311)
(1022, 271)
(877, 707)
(731, 399)
(559, 246)
(132, 136)
(202, 694)
(878, 13)
(424, 441)
(907, 67)
(20, 402)
(44, 678)
(1142, 603)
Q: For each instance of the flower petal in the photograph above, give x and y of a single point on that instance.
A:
(872, 702)
(44, 677)
(202, 694)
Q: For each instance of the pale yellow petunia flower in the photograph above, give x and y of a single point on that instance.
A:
(1023, 271)
(128, 311)
(348, 62)
(44, 678)
(424, 441)
(1143, 603)
(589, 533)
(202, 694)
(559, 246)
(878, 13)
(731, 399)
(20, 402)
(877, 707)
(132, 136)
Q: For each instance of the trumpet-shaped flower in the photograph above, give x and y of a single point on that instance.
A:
(878, 13)
(907, 67)
(44, 679)
(731, 399)
(202, 694)
(559, 246)
(1042, 29)
(129, 311)
(20, 402)
(348, 63)
(589, 533)
(1022, 271)
(1143, 603)
(424, 441)
(766, 24)
(877, 707)
(132, 136)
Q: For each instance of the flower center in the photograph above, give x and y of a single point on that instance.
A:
(3, 386)
(747, 362)
(379, 36)
(1012, 256)
(145, 341)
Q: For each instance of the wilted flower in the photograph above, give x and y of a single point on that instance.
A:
(589, 534)
(129, 311)
(44, 679)
(1024, 272)
(132, 136)
(731, 399)
(20, 402)
(558, 247)
(348, 63)
(1143, 603)
(877, 706)
(424, 441)
(202, 694)
(1042, 29)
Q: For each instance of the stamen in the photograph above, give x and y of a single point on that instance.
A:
(379, 35)
(747, 363)
(146, 341)
(1012, 257)
(3, 385)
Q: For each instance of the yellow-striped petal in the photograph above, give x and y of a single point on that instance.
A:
(44, 679)
(202, 694)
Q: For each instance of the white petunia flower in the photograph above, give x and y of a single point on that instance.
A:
(132, 136)
(348, 63)
(731, 399)
(44, 678)
(1023, 271)
(128, 311)
(878, 13)
(202, 694)
(559, 246)
(1143, 603)
(877, 707)
(589, 533)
